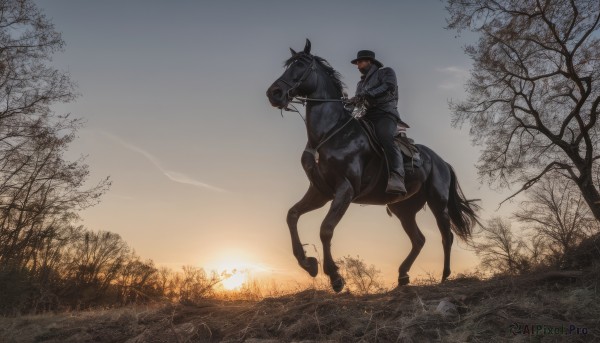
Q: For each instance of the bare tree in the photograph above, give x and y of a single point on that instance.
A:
(500, 251)
(137, 280)
(40, 192)
(168, 283)
(534, 92)
(40, 195)
(197, 284)
(96, 260)
(29, 85)
(361, 278)
(557, 213)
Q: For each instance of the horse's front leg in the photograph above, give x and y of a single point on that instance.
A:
(312, 200)
(341, 201)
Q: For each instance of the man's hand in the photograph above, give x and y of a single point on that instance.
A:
(355, 101)
(358, 99)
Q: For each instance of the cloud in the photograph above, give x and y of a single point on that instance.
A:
(170, 174)
(182, 178)
(455, 78)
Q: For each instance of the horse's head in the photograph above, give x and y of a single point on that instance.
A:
(299, 78)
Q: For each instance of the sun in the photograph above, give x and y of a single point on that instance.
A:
(235, 281)
(237, 268)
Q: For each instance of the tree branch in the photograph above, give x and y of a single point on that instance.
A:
(552, 166)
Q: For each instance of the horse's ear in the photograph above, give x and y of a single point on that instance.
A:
(307, 47)
(293, 52)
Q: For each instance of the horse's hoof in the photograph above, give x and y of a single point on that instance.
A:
(311, 265)
(403, 280)
(445, 276)
(338, 284)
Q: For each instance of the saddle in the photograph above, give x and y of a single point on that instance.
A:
(412, 157)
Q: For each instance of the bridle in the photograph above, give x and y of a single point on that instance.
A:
(303, 100)
(311, 68)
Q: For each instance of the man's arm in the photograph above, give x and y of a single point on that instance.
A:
(388, 82)
(358, 96)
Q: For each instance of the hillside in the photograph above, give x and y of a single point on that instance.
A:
(547, 306)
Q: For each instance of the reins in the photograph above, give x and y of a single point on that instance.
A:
(315, 151)
(303, 100)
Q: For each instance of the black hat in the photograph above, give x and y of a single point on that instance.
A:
(366, 55)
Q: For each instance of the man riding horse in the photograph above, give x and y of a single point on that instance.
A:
(377, 90)
(349, 170)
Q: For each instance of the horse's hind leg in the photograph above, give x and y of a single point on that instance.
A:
(439, 207)
(312, 200)
(406, 211)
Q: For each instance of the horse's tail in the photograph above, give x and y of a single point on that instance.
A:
(462, 212)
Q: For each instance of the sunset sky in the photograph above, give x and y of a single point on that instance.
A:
(203, 168)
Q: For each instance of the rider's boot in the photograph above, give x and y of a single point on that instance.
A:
(396, 184)
(396, 170)
(386, 129)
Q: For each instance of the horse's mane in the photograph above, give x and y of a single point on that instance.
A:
(332, 73)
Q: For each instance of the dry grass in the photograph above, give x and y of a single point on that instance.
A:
(465, 309)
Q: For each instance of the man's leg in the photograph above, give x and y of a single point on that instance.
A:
(385, 128)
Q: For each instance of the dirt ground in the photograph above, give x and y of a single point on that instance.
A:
(546, 306)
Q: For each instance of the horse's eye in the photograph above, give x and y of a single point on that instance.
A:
(296, 76)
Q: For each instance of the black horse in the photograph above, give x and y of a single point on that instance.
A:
(342, 166)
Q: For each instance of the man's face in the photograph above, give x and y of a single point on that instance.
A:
(363, 65)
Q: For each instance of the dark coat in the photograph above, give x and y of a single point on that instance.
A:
(380, 88)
